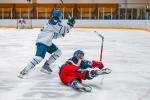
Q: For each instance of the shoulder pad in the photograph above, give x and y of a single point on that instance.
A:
(52, 21)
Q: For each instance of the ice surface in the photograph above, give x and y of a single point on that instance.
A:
(126, 52)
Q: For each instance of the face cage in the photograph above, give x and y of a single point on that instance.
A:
(80, 56)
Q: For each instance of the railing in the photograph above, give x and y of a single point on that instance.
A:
(80, 13)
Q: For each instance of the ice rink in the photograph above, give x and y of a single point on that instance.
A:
(126, 52)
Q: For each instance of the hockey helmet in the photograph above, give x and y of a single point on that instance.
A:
(79, 54)
(57, 13)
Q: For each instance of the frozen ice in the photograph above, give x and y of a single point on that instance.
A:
(126, 52)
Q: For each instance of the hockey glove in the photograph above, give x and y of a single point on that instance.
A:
(91, 74)
(85, 64)
(71, 22)
(97, 64)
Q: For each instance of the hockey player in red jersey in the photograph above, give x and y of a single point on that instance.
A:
(75, 70)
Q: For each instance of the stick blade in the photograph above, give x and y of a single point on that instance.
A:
(99, 35)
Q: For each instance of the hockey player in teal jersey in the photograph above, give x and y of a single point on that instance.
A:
(53, 30)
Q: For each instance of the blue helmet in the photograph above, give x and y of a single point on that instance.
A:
(56, 13)
(78, 54)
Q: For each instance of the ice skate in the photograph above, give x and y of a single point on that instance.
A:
(46, 68)
(102, 71)
(22, 74)
(84, 87)
(81, 87)
(29, 67)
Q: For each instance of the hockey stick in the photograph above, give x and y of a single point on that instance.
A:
(62, 3)
(101, 51)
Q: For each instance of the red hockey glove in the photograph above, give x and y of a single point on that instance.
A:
(97, 64)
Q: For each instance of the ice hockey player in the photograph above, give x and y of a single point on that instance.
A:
(53, 30)
(75, 70)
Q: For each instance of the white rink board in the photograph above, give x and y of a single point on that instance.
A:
(94, 23)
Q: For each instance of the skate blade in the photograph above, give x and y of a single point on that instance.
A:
(84, 90)
(21, 76)
(45, 71)
(87, 89)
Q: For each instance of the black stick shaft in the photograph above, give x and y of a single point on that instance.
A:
(62, 3)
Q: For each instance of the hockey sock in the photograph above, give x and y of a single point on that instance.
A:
(54, 57)
(36, 60)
